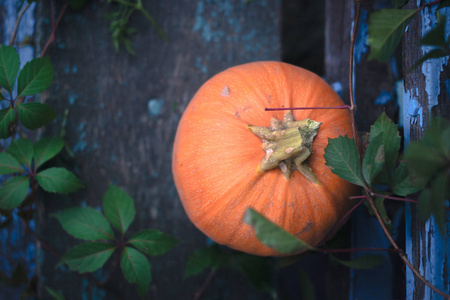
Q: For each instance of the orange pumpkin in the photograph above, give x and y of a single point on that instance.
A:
(217, 160)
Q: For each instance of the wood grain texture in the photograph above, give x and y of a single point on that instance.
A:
(425, 93)
(123, 113)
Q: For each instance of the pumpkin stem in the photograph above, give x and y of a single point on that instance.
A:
(287, 145)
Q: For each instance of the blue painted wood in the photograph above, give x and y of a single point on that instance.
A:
(15, 245)
(424, 92)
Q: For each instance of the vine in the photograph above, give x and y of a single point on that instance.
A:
(424, 167)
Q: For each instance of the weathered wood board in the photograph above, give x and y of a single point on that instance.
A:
(123, 111)
(425, 94)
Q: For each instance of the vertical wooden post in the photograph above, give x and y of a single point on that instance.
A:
(425, 93)
(371, 80)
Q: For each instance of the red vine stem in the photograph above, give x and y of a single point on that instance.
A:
(205, 284)
(305, 108)
(394, 198)
(350, 71)
(342, 220)
(42, 242)
(51, 39)
(16, 26)
(400, 251)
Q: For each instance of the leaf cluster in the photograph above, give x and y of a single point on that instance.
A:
(25, 159)
(428, 162)
(35, 77)
(96, 229)
(386, 27)
(424, 167)
(119, 27)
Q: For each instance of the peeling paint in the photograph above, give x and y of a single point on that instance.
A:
(201, 25)
(383, 98)
(155, 107)
(431, 249)
(432, 68)
(410, 114)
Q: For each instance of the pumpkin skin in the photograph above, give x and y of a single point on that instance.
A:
(216, 157)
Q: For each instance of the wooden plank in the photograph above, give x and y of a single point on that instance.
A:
(123, 113)
(425, 92)
(338, 21)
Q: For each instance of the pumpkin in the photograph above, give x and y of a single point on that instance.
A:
(222, 149)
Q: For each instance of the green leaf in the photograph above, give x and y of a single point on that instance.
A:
(19, 276)
(56, 295)
(201, 259)
(35, 77)
(77, 4)
(46, 148)
(7, 117)
(9, 165)
(9, 67)
(342, 158)
(379, 204)
(401, 184)
(437, 136)
(386, 27)
(22, 150)
(136, 269)
(153, 242)
(274, 236)
(13, 191)
(87, 257)
(119, 208)
(257, 270)
(436, 36)
(424, 205)
(307, 291)
(85, 223)
(398, 3)
(373, 160)
(435, 53)
(35, 115)
(58, 180)
(391, 140)
(423, 161)
(432, 201)
(361, 262)
(443, 4)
